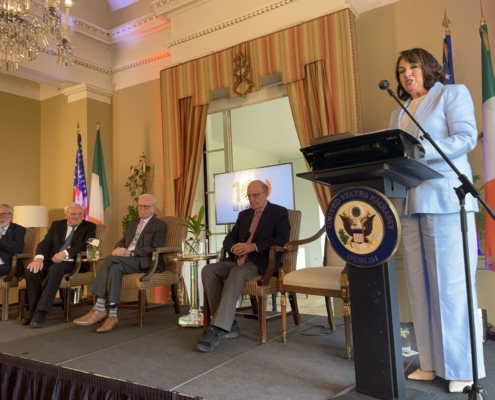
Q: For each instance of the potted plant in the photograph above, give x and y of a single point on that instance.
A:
(136, 184)
(194, 244)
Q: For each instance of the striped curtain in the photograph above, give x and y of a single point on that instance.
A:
(329, 40)
(314, 114)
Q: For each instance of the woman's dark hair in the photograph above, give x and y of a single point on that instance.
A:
(432, 69)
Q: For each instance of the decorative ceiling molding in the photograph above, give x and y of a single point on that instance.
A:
(181, 10)
(89, 65)
(85, 91)
(233, 21)
(128, 30)
(165, 6)
(144, 61)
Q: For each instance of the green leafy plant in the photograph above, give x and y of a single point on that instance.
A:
(195, 224)
(136, 185)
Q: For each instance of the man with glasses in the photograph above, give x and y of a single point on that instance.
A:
(11, 241)
(132, 254)
(55, 257)
(247, 245)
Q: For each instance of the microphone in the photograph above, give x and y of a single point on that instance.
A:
(385, 85)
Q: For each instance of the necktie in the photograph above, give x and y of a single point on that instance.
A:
(132, 246)
(66, 244)
(254, 225)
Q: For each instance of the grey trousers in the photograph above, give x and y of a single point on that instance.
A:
(222, 297)
(108, 282)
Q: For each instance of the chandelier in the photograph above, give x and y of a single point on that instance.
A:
(21, 33)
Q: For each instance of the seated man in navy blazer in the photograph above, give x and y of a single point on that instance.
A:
(247, 245)
(55, 257)
(11, 241)
(132, 254)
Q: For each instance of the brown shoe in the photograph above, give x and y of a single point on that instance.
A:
(108, 325)
(92, 317)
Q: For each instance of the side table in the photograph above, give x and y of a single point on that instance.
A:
(195, 317)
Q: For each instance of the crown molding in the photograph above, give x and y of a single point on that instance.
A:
(85, 91)
(163, 7)
(144, 61)
(228, 23)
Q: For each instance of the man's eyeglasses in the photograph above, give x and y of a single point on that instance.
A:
(145, 207)
(253, 196)
(5, 214)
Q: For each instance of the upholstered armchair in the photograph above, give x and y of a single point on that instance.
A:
(261, 286)
(151, 279)
(74, 279)
(327, 280)
(9, 280)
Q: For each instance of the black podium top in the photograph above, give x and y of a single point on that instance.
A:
(347, 158)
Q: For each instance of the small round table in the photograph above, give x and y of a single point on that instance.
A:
(195, 317)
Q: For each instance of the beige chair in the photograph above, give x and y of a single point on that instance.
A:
(261, 286)
(9, 280)
(328, 281)
(73, 280)
(170, 274)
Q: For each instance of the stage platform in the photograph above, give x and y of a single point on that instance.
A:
(162, 355)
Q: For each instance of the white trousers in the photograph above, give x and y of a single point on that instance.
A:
(436, 282)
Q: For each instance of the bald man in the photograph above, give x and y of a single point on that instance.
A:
(247, 245)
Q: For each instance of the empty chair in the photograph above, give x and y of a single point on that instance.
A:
(328, 281)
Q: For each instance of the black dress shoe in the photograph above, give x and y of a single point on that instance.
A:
(38, 319)
(27, 320)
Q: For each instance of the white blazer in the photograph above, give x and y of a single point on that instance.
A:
(447, 114)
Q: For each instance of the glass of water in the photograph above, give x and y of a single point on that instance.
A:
(405, 339)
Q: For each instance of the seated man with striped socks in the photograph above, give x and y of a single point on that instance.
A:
(132, 254)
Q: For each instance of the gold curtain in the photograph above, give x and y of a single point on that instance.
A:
(312, 108)
(190, 143)
(329, 39)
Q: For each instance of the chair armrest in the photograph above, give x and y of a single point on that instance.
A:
(24, 255)
(300, 242)
(77, 267)
(265, 279)
(159, 252)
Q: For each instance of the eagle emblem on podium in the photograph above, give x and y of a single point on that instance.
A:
(358, 225)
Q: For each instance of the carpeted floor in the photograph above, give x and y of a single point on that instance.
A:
(161, 354)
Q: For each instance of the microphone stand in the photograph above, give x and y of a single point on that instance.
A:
(475, 391)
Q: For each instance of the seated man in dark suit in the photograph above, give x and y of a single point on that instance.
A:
(256, 230)
(11, 241)
(132, 254)
(55, 257)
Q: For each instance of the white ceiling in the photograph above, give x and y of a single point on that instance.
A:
(118, 4)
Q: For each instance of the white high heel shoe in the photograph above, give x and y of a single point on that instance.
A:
(458, 386)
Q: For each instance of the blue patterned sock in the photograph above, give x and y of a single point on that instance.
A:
(112, 308)
(100, 305)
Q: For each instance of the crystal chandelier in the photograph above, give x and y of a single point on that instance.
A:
(21, 33)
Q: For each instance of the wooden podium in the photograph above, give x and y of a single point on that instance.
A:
(389, 162)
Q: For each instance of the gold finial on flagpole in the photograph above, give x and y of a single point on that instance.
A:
(482, 22)
(446, 22)
(98, 123)
(78, 126)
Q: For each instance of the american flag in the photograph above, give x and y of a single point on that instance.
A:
(80, 192)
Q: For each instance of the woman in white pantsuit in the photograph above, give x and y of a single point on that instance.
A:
(431, 234)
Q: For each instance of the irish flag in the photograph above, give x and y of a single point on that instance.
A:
(488, 82)
(99, 199)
